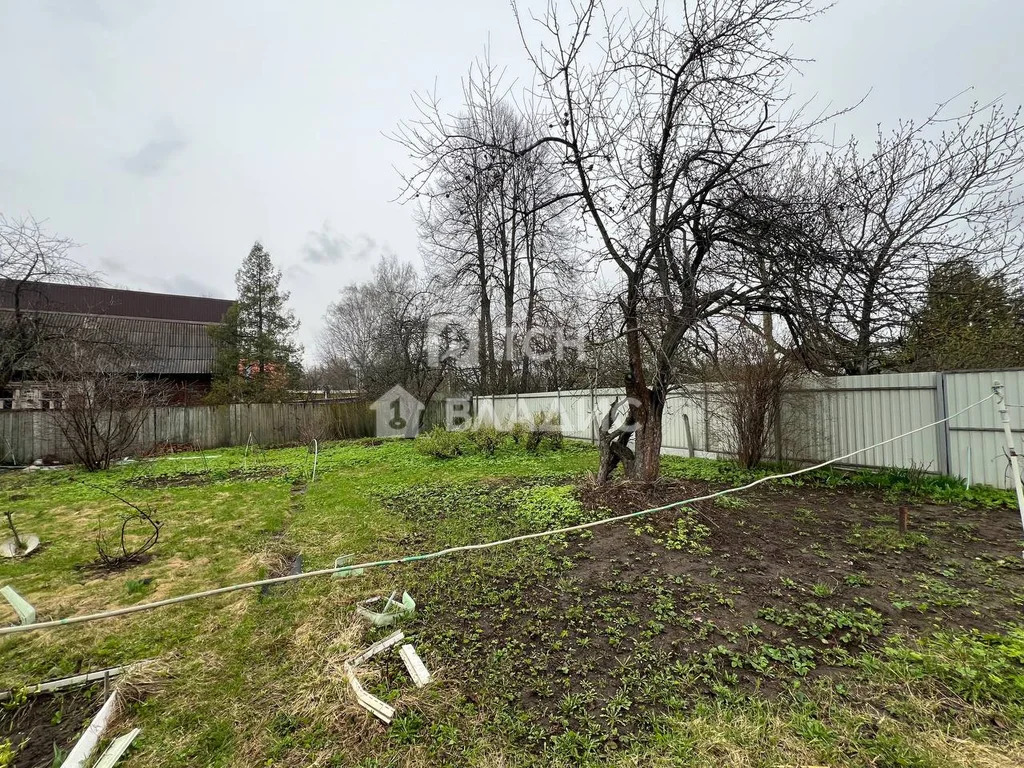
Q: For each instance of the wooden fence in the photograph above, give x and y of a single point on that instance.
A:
(29, 435)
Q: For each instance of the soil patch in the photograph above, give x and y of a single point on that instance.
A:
(189, 479)
(45, 722)
(99, 569)
(955, 567)
(780, 583)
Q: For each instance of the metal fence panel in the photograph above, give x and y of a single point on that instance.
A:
(977, 446)
(826, 417)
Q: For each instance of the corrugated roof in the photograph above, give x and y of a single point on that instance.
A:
(156, 347)
(115, 302)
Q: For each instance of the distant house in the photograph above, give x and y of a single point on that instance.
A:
(168, 333)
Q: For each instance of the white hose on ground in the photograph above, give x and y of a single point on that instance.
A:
(19, 628)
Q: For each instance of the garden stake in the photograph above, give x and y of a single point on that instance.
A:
(1018, 484)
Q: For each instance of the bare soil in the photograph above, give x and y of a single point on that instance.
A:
(791, 582)
(192, 479)
(46, 721)
(819, 536)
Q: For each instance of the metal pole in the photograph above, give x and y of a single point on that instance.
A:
(1010, 449)
(593, 418)
(942, 433)
(689, 435)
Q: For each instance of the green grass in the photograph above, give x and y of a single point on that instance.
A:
(253, 679)
(896, 484)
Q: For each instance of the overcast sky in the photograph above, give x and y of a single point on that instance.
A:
(165, 137)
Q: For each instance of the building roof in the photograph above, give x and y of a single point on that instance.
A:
(165, 334)
(117, 302)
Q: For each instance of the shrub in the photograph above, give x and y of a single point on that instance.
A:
(543, 426)
(441, 444)
(518, 432)
(754, 377)
(486, 439)
(555, 437)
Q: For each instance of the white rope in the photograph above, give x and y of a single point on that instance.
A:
(18, 628)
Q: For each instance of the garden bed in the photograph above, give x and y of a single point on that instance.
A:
(791, 624)
(44, 727)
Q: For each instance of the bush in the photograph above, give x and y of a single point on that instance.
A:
(543, 426)
(486, 439)
(441, 444)
(753, 377)
(518, 432)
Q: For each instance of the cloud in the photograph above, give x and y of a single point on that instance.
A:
(181, 284)
(185, 285)
(328, 247)
(153, 157)
(111, 265)
(297, 272)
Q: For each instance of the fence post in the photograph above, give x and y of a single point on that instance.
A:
(593, 418)
(1011, 450)
(942, 433)
(707, 419)
(689, 435)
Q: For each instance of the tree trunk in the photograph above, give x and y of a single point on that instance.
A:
(614, 446)
(644, 424)
(648, 439)
(646, 407)
(507, 348)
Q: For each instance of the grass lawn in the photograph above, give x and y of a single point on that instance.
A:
(790, 625)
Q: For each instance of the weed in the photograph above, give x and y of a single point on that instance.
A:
(821, 589)
(884, 539)
(689, 534)
(845, 625)
(730, 502)
(856, 580)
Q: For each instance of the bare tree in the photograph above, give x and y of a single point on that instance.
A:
(104, 398)
(488, 226)
(383, 329)
(670, 128)
(929, 192)
(29, 254)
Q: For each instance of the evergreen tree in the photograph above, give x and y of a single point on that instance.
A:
(968, 320)
(257, 357)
